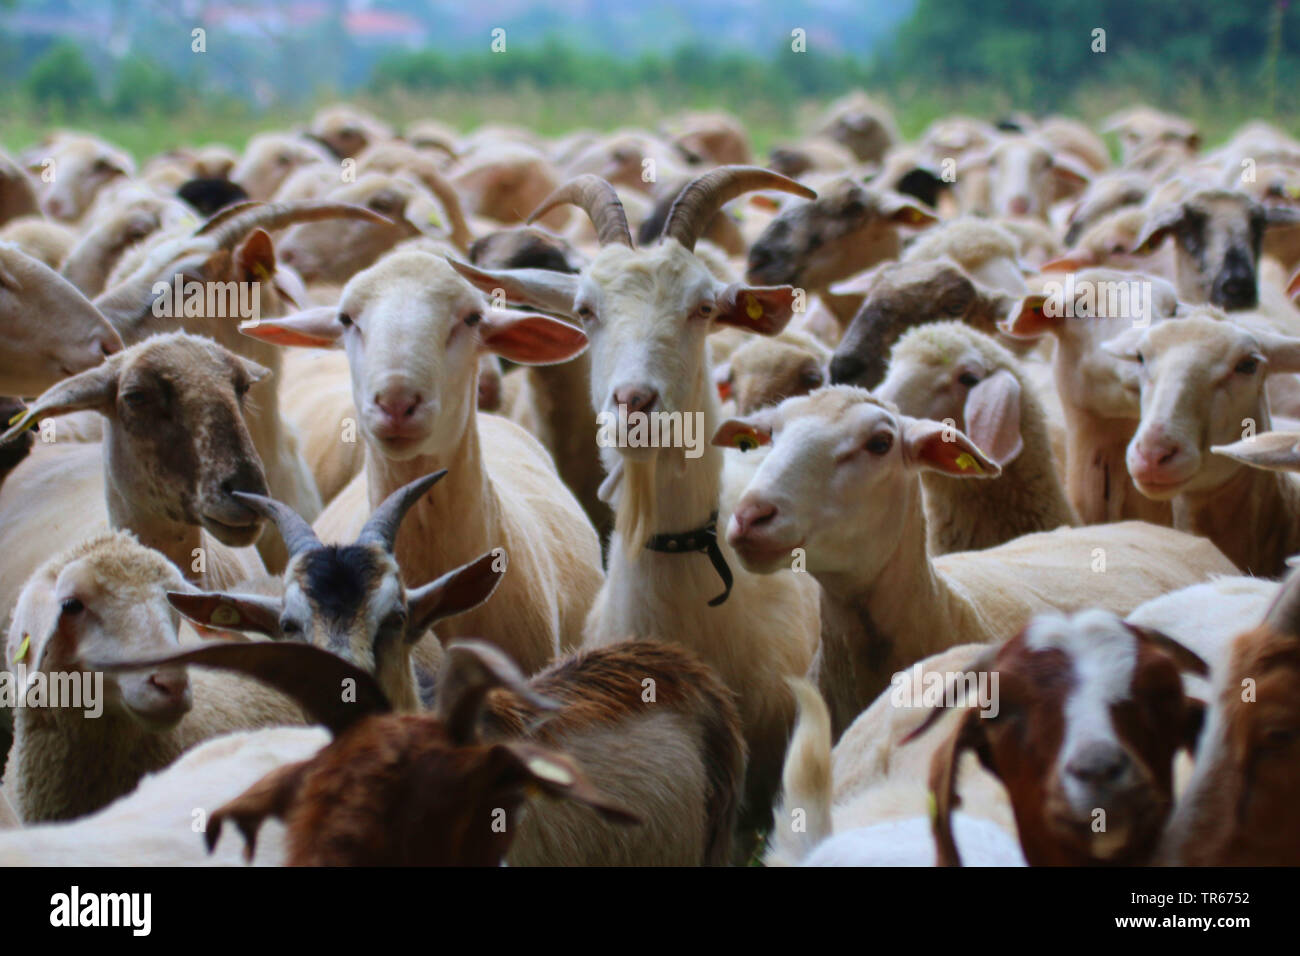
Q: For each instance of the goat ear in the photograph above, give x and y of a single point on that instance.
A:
(1276, 451)
(318, 328)
(255, 257)
(530, 339)
(1157, 227)
(993, 417)
(95, 388)
(557, 775)
(455, 592)
(1125, 345)
(933, 445)
(742, 434)
(1282, 351)
(543, 289)
(943, 786)
(469, 670)
(1028, 318)
(1069, 173)
(762, 309)
(1186, 659)
(905, 212)
(1070, 261)
(214, 611)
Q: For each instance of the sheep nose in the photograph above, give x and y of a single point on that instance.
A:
(846, 368)
(1157, 447)
(109, 346)
(170, 683)
(635, 398)
(398, 403)
(751, 514)
(1099, 762)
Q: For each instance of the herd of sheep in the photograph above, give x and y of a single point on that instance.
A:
(426, 497)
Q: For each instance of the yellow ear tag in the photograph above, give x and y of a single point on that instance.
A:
(23, 648)
(753, 308)
(261, 272)
(966, 462)
(932, 804)
(435, 220)
(746, 442)
(17, 418)
(223, 615)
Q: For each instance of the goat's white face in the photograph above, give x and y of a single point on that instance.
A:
(646, 315)
(412, 349)
(840, 469)
(1202, 383)
(413, 331)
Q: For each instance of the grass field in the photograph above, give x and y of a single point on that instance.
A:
(554, 112)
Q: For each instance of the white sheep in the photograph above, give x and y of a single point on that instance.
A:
(844, 468)
(413, 331)
(102, 600)
(949, 372)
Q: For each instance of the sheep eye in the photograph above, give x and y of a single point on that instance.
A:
(1247, 366)
(586, 312)
(71, 606)
(705, 310)
(880, 444)
(345, 320)
(1140, 359)
(473, 319)
(136, 398)
(811, 377)
(968, 379)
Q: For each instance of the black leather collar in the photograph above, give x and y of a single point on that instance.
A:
(701, 539)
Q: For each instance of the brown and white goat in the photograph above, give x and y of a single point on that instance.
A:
(1239, 808)
(1090, 714)
(646, 722)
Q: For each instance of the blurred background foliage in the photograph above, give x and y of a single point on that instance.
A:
(129, 68)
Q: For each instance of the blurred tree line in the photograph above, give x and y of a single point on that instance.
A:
(1036, 55)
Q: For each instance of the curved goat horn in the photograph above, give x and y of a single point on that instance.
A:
(697, 204)
(381, 528)
(297, 534)
(230, 225)
(597, 199)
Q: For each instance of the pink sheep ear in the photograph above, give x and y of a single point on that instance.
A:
(530, 339)
(1028, 318)
(742, 434)
(761, 309)
(318, 328)
(993, 417)
(933, 445)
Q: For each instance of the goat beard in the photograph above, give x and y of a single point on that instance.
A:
(634, 515)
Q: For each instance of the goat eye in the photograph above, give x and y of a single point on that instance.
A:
(811, 377)
(289, 626)
(880, 444)
(473, 319)
(394, 622)
(137, 398)
(1247, 366)
(345, 320)
(71, 606)
(1140, 359)
(586, 312)
(706, 310)
(968, 379)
